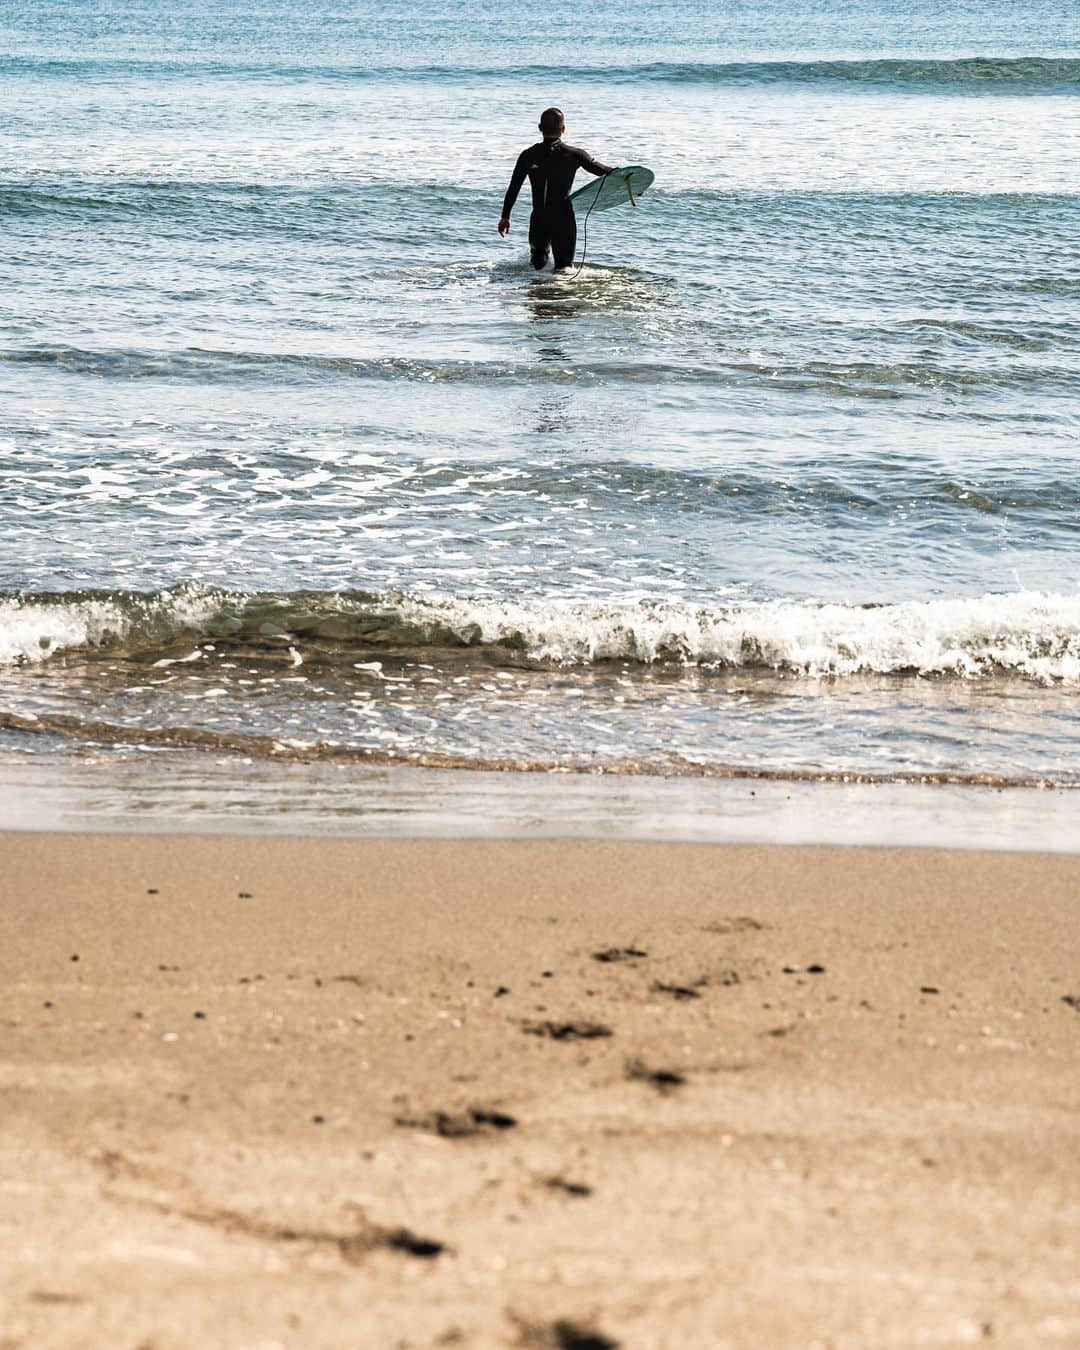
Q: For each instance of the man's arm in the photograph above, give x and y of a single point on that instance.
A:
(586, 161)
(516, 180)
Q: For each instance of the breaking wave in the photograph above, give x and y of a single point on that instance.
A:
(1031, 635)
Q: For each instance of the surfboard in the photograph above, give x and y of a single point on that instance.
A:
(625, 184)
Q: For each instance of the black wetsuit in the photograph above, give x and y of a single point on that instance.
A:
(550, 166)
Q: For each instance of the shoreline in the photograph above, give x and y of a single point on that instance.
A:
(322, 1092)
(193, 792)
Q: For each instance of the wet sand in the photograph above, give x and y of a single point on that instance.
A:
(295, 1092)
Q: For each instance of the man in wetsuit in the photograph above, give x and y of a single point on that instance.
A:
(550, 166)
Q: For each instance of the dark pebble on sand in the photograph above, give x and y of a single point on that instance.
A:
(243, 895)
(75, 956)
(815, 970)
(501, 992)
(153, 890)
(578, 1189)
(609, 954)
(567, 1031)
(200, 1015)
(573, 1336)
(498, 1120)
(929, 989)
(546, 974)
(789, 970)
(318, 1120)
(402, 1240)
(459, 1124)
(676, 991)
(661, 1079)
(1071, 1001)
(47, 1003)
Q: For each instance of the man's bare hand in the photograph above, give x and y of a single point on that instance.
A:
(504, 227)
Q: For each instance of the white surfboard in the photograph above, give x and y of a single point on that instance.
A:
(619, 186)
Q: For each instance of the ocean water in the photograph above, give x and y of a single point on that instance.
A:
(298, 459)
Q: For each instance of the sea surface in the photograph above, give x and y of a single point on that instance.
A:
(299, 460)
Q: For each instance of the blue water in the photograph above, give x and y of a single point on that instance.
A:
(297, 454)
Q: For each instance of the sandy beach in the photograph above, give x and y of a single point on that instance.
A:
(288, 1092)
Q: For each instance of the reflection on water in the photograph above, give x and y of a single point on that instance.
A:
(559, 306)
(550, 297)
(597, 289)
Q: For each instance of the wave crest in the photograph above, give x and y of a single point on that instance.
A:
(35, 627)
(1028, 634)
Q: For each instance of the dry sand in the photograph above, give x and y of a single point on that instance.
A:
(419, 1093)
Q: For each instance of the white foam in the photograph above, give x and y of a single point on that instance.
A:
(1033, 634)
(32, 630)
(1028, 633)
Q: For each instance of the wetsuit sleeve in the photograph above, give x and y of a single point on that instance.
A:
(593, 165)
(516, 180)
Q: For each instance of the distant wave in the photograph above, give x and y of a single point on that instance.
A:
(972, 74)
(329, 209)
(1032, 635)
(856, 379)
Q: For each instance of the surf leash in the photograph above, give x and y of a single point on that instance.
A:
(588, 213)
(585, 223)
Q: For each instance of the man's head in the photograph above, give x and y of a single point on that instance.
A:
(552, 124)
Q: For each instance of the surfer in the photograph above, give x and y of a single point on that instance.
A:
(550, 165)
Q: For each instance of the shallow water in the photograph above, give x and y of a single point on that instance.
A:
(294, 448)
(147, 790)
